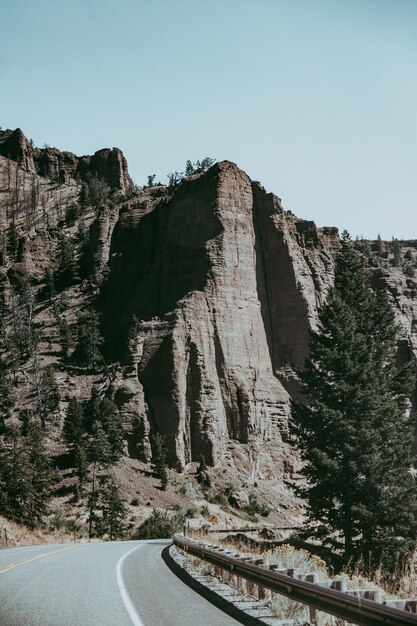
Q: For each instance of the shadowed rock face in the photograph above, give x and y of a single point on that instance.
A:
(225, 285)
(108, 164)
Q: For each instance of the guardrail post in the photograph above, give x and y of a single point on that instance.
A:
(261, 589)
(373, 594)
(339, 585)
(312, 612)
(411, 606)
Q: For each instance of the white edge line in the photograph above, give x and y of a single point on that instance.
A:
(133, 614)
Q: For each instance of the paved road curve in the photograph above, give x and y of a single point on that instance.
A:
(98, 584)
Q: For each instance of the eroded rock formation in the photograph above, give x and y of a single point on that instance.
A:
(225, 285)
(108, 164)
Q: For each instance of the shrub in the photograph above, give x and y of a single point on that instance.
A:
(288, 557)
(160, 525)
(218, 498)
(256, 508)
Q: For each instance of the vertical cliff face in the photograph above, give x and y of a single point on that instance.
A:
(225, 285)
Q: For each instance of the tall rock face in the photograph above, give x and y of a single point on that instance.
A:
(63, 167)
(225, 285)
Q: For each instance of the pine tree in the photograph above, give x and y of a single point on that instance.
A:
(81, 464)
(99, 454)
(113, 511)
(99, 448)
(354, 432)
(49, 284)
(113, 427)
(397, 252)
(89, 339)
(50, 389)
(26, 476)
(40, 475)
(12, 241)
(104, 413)
(73, 428)
(6, 401)
(14, 476)
(67, 271)
(189, 168)
(159, 459)
(65, 336)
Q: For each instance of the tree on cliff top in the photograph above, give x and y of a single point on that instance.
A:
(354, 432)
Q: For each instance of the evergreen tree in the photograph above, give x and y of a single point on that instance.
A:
(397, 252)
(92, 411)
(354, 431)
(49, 284)
(65, 336)
(81, 464)
(104, 413)
(99, 449)
(159, 459)
(6, 401)
(40, 475)
(14, 472)
(67, 271)
(113, 428)
(113, 511)
(89, 339)
(26, 477)
(73, 428)
(50, 390)
(189, 168)
(25, 418)
(72, 213)
(99, 454)
(12, 241)
(98, 192)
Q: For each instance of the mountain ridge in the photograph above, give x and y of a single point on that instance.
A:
(207, 289)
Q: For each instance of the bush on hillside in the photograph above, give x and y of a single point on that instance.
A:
(160, 525)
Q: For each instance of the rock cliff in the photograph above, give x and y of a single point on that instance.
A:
(225, 285)
(63, 167)
(208, 291)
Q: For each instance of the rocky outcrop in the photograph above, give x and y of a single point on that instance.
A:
(16, 147)
(108, 164)
(225, 285)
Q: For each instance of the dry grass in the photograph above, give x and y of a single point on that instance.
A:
(21, 536)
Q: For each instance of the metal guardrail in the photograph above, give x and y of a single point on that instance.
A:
(251, 529)
(356, 610)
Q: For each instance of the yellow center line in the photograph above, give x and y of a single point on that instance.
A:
(35, 558)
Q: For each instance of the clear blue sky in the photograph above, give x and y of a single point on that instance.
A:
(317, 99)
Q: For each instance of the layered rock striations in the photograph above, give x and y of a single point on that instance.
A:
(225, 285)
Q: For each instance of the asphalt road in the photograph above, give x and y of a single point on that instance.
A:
(98, 584)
